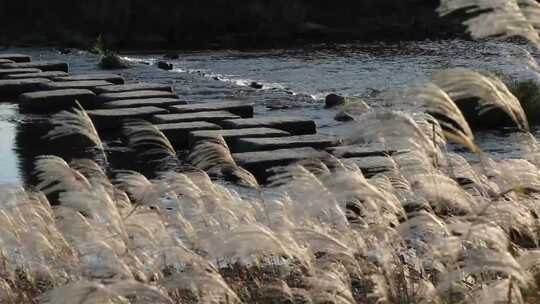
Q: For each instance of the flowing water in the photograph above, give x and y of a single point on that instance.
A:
(294, 81)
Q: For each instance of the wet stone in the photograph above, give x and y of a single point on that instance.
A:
(2, 61)
(84, 84)
(231, 136)
(16, 57)
(112, 78)
(178, 133)
(242, 109)
(14, 87)
(42, 65)
(55, 99)
(133, 103)
(112, 118)
(293, 125)
(48, 75)
(374, 149)
(141, 86)
(5, 72)
(274, 143)
(215, 116)
(258, 163)
(372, 165)
(106, 97)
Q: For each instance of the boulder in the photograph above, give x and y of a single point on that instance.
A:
(5, 72)
(213, 116)
(165, 65)
(106, 97)
(293, 125)
(54, 100)
(258, 163)
(16, 57)
(140, 86)
(372, 165)
(178, 133)
(373, 149)
(231, 136)
(133, 103)
(289, 142)
(42, 65)
(48, 75)
(113, 118)
(240, 108)
(83, 84)
(14, 87)
(113, 78)
(256, 85)
(334, 100)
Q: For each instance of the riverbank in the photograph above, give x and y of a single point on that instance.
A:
(188, 25)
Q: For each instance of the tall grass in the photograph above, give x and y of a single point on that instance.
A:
(433, 227)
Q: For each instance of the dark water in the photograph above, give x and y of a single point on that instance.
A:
(296, 78)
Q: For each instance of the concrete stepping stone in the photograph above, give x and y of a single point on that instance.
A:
(293, 125)
(289, 142)
(133, 103)
(42, 65)
(215, 116)
(178, 133)
(372, 165)
(242, 109)
(231, 136)
(112, 118)
(83, 84)
(55, 99)
(258, 163)
(16, 57)
(373, 149)
(2, 61)
(48, 75)
(14, 87)
(140, 86)
(113, 78)
(5, 72)
(106, 97)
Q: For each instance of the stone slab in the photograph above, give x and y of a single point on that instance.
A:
(106, 97)
(240, 108)
(49, 75)
(133, 103)
(16, 57)
(178, 133)
(2, 61)
(112, 118)
(374, 149)
(14, 87)
(258, 163)
(289, 142)
(5, 72)
(83, 84)
(293, 125)
(231, 136)
(215, 116)
(55, 99)
(113, 78)
(140, 86)
(42, 65)
(372, 165)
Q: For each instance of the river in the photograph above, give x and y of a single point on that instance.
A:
(294, 81)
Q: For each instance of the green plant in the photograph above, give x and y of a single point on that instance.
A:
(109, 59)
(528, 93)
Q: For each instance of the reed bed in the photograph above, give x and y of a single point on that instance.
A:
(434, 228)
